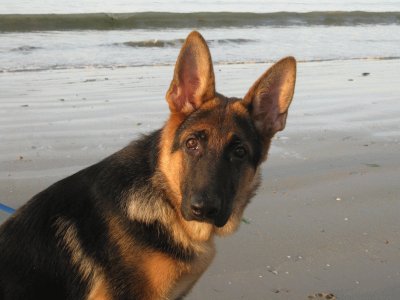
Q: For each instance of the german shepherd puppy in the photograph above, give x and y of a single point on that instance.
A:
(140, 224)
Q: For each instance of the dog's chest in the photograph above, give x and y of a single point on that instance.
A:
(185, 282)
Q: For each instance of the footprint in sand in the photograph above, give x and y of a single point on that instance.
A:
(322, 296)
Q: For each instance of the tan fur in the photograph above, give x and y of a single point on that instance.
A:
(90, 272)
(170, 165)
(161, 272)
(166, 277)
(191, 273)
(128, 248)
(99, 291)
(145, 210)
(240, 109)
(67, 234)
(169, 278)
(135, 256)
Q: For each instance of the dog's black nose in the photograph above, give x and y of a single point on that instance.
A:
(204, 209)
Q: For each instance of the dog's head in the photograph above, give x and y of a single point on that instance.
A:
(213, 145)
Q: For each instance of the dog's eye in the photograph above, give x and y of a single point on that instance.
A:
(240, 151)
(192, 144)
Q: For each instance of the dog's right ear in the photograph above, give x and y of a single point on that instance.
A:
(193, 81)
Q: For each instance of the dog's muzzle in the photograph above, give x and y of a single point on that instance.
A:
(204, 209)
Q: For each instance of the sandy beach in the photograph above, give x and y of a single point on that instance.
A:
(326, 217)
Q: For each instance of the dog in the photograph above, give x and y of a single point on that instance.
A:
(140, 224)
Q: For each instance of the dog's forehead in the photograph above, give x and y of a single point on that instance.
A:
(221, 116)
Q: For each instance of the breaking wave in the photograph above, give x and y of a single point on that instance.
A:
(157, 20)
(177, 43)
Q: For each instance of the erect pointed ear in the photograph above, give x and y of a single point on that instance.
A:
(269, 98)
(193, 81)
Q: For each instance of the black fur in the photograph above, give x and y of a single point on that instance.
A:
(32, 263)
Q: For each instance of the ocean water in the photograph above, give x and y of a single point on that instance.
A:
(48, 34)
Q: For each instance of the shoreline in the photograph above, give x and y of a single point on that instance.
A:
(342, 141)
(162, 65)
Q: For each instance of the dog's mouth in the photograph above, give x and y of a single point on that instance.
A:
(218, 221)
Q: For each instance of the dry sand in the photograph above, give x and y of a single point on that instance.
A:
(326, 217)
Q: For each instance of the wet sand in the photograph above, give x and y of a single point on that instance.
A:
(326, 217)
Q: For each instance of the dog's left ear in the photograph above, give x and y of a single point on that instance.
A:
(193, 81)
(269, 98)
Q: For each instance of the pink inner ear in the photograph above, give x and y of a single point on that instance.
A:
(268, 98)
(271, 95)
(183, 94)
(266, 110)
(269, 112)
(184, 90)
(176, 98)
(190, 82)
(193, 81)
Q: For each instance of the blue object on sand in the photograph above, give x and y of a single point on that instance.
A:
(6, 208)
